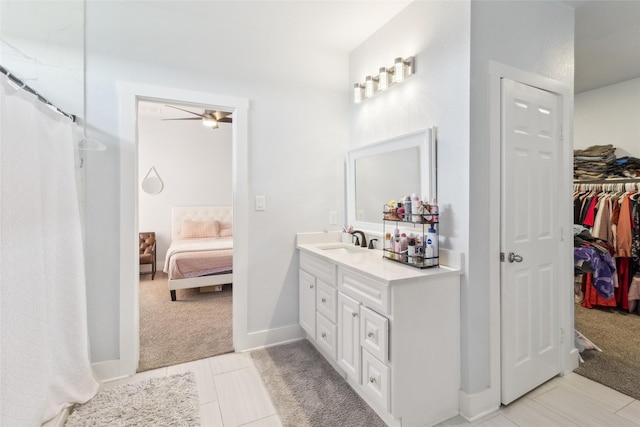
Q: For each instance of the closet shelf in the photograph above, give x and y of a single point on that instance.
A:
(606, 181)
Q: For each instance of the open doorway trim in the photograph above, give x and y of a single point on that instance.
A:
(476, 405)
(129, 94)
(489, 400)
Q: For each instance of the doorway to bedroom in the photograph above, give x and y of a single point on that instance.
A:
(185, 199)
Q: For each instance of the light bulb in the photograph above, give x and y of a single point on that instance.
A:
(357, 93)
(210, 122)
(383, 79)
(368, 87)
(398, 70)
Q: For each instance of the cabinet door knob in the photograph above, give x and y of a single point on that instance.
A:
(354, 314)
(310, 286)
(370, 334)
(324, 299)
(324, 335)
(372, 380)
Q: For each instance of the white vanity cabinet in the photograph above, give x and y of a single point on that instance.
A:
(307, 304)
(318, 302)
(392, 331)
(349, 336)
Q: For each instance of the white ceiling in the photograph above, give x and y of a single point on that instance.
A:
(607, 36)
(607, 42)
(607, 32)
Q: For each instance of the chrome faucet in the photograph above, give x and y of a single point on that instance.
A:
(364, 239)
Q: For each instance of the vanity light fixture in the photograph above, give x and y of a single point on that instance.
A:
(369, 89)
(383, 79)
(398, 70)
(387, 77)
(357, 93)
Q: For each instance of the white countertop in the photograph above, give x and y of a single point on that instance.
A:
(366, 261)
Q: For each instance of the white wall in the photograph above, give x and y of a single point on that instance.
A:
(609, 115)
(42, 43)
(437, 34)
(194, 164)
(297, 133)
(535, 37)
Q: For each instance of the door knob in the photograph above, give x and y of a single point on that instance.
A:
(514, 258)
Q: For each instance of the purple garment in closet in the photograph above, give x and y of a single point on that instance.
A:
(603, 267)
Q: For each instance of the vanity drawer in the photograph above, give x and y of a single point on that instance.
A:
(320, 268)
(370, 292)
(326, 303)
(374, 333)
(327, 335)
(375, 379)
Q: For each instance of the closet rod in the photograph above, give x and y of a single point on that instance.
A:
(607, 181)
(29, 89)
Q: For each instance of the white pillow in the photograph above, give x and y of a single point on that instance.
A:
(199, 229)
(226, 231)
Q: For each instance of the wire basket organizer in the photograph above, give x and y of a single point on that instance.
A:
(424, 241)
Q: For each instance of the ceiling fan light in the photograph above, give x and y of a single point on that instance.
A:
(210, 122)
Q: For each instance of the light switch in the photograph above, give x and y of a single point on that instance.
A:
(260, 203)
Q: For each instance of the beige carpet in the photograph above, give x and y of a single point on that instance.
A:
(618, 335)
(196, 326)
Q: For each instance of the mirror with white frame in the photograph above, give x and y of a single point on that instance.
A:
(387, 170)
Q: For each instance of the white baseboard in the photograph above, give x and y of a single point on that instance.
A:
(572, 362)
(477, 405)
(60, 419)
(270, 337)
(108, 370)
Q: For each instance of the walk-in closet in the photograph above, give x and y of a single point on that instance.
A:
(607, 266)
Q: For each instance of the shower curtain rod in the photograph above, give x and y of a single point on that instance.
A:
(29, 89)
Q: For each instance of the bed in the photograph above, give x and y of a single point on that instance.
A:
(201, 250)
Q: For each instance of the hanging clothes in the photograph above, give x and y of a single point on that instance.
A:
(609, 212)
(603, 267)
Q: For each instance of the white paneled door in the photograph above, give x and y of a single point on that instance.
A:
(531, 138)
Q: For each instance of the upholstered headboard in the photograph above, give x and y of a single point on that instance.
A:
(222, 214)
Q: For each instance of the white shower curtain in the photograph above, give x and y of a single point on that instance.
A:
(44, 353)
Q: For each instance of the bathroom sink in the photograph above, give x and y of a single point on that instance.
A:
(342, 247)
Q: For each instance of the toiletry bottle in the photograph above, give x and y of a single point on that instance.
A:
(411, 249)
(403, 247)
(432, 244)
(419, 249)
(397, 247)
(434, 211)
(388, 245)
(401, 211)
(407, 208)
(393, 209)
(415, 208)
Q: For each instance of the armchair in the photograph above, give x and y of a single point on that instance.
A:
(148, 252)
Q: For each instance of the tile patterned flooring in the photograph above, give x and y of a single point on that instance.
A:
(232, 394)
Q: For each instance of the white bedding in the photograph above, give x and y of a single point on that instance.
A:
(188, 248)
(194, 245)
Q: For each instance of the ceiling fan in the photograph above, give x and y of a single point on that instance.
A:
(209, 118)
